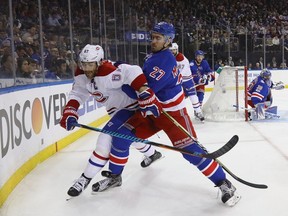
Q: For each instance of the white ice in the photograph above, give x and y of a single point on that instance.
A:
(170, 186)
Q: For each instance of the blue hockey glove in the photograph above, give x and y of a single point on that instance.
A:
(149, 103)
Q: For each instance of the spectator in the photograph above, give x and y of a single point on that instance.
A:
(53, 19)
(240, 62)
(59, 71)
(283, 65)
(16, 32)
(231, 62)
(23, 68)
(6, 69)
(276, 42)
(269, 66)
(274, 62)
(34, 68)
(261, 63)
(257, 66)
(21, 52)
(30, 35)
(62, 70)
(70, 61)
(218, 64)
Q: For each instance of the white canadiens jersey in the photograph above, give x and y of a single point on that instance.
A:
(184, 67)
(105, 87)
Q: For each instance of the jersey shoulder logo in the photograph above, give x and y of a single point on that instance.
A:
(116, 77)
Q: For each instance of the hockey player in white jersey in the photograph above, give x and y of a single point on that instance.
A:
(104, 81)
(188, 83)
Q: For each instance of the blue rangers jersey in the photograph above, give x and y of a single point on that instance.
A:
(259, 90)
(160, 70)
(199, 70)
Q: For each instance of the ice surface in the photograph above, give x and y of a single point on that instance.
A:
(171, 186)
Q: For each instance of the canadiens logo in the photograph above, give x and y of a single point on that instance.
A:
(116, 77)
(99, 97)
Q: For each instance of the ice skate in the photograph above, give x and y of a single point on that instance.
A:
(149, 160)
(229, 195)
(79, 186)
(111, 181)
(199, 115)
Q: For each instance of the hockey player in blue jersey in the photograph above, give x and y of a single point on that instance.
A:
(260, 96)
(201, 73)
(160, 70)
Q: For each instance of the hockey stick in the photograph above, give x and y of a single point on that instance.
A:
(232, 142)
(199, 84)
(260, 186)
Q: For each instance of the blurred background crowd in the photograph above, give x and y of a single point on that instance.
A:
(40, 40)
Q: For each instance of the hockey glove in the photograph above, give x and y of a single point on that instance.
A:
(278, 86)
(203, 79)
(149, 103)
(69, 117)
(209, 77)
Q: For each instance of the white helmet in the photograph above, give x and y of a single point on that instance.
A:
(174, 46)
(92, 53)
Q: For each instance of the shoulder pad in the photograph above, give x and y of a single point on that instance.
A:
(179, 57)
(105, 69)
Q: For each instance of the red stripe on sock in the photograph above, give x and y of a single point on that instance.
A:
(210, 169)
(99, 156)
(120, 161)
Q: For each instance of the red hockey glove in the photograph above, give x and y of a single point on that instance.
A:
(70, 115)
(149, 103)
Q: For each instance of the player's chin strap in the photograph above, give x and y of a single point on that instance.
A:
(260, 186)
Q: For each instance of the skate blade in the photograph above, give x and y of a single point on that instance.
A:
(105, 189)
(233, 200)
(70, 198)
(163, 156)
(198, 120)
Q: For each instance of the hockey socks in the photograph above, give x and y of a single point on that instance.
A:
(210, 168)
(95, 164)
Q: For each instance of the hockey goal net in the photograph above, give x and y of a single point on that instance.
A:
(228, 100)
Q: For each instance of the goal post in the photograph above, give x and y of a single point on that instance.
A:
(228, 100)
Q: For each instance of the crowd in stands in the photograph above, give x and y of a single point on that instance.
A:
(262, 19)
(229, 18)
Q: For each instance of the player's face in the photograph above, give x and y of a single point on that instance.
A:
(199, 58)
(174, 51)
(158, 42)
(90, 69)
